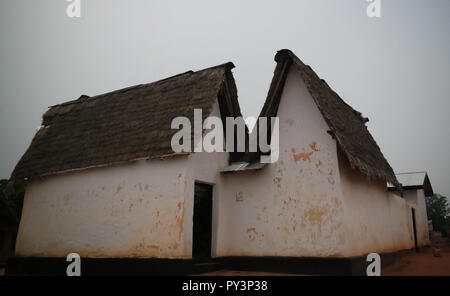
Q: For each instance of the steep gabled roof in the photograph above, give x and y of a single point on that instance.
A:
(346, 125)
(124, 125)
(414, 181)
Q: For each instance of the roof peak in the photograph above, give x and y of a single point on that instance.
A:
(346, 124)
(83, 98)
(124, 125)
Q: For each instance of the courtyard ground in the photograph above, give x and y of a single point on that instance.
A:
(422, 263)
(409, 263)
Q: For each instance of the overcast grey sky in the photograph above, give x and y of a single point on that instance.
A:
(394, 69)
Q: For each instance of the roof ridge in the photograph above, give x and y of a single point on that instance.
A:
(84, 98)
(124, 125)
(288, 52)
(367, 157)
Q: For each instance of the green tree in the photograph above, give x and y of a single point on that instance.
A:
(11, 199)
(438, 212)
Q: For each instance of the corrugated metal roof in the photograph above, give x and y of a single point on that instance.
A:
(414, 180)
(243, 166)
(411, 179)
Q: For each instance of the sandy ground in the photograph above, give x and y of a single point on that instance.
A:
(244, 273)
(411, 263)
(422, 263)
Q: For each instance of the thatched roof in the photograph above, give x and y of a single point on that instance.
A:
(346, 125)
(124, 125)
(134, 123)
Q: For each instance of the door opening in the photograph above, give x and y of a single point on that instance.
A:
(202, 228)
(413, 213)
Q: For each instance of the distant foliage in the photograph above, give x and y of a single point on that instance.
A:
(14, 196)
(438, 212)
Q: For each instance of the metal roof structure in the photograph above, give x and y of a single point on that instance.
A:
(243, 166)
(414, 181)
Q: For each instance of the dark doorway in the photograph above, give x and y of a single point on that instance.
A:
(413, 213)
(202, 229)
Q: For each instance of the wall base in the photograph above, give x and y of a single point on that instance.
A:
(139, 266)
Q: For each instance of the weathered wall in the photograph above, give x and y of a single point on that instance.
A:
(375, 219)
(205, 168)
(417, 199)
(293, 207)
(140, 209)
(132, 210)
(308, 204)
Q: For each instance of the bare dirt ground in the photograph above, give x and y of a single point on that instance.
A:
(409, 263)
(422, 263)
(243, 273)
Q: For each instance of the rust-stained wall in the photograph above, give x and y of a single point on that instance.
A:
(310, 203)
(375, 220)
(141, 209)
(133, 210)
(293, 207)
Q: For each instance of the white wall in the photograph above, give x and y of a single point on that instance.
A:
(293, 207)
(308, 204)
(132, 210)
(376, 220)
(205, 168)
(140, 209)
(417, 199)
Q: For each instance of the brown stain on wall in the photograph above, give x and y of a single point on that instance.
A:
(252, 233)
(319, 164)
(180, 219)
(174, 246)
(277, 181)
(305, 156)
(331, 177)
(313, 147)
(301, 156)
